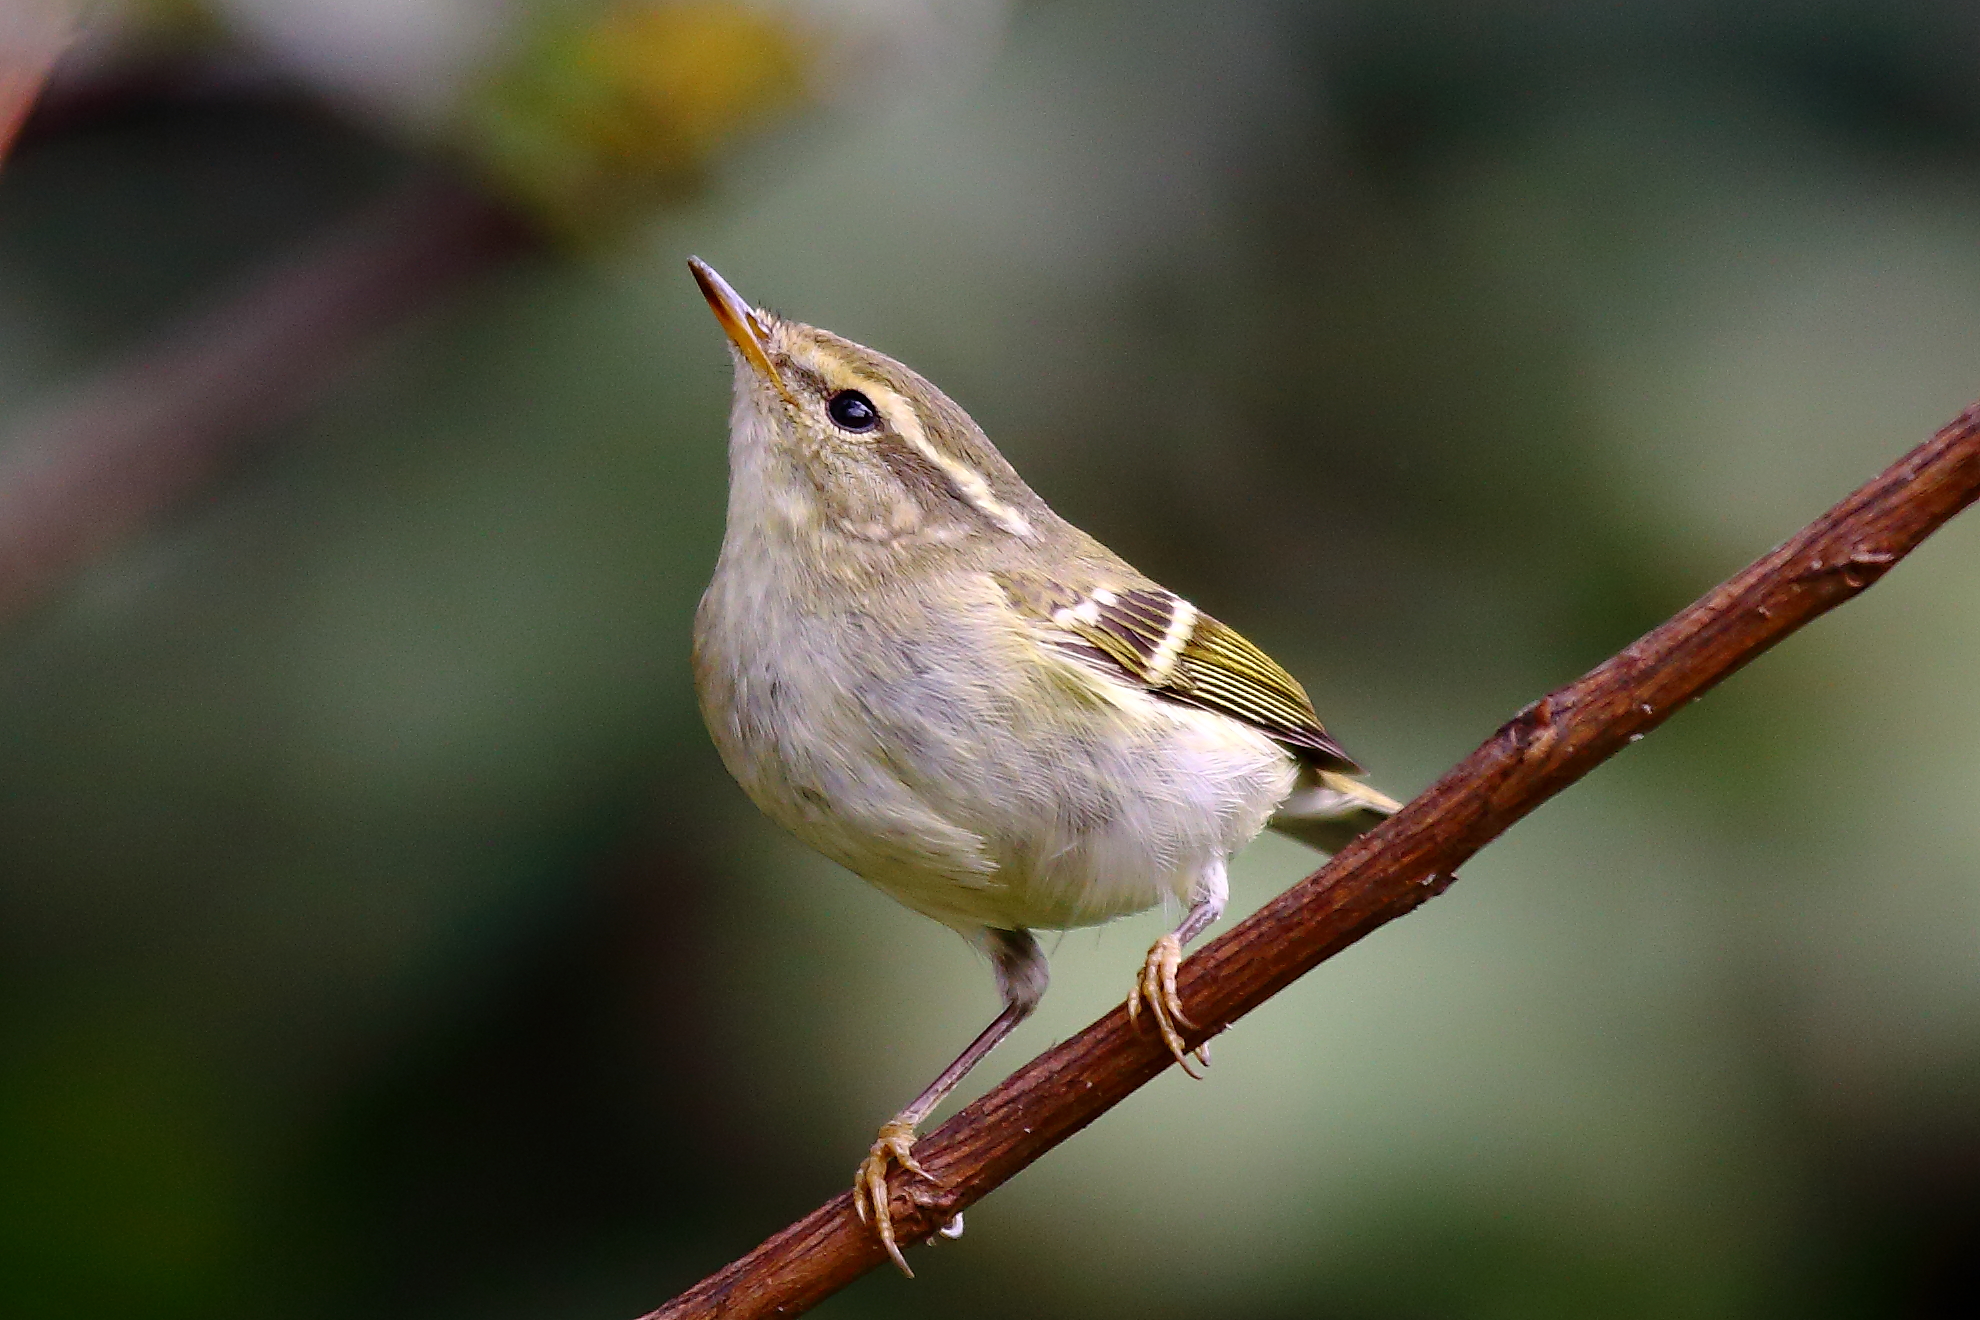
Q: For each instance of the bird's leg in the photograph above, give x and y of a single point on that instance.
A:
(1021, 977)
(1156, 986)
(895, 1142)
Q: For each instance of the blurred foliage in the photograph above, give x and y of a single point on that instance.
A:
(604, 113)
(379, 935)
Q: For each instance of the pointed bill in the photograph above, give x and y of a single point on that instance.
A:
(739, 321)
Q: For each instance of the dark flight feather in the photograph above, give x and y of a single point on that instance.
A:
(1199, 662)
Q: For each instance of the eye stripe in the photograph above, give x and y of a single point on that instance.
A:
(911, 469)
(811, 380)
(967, 482)
(900, 417)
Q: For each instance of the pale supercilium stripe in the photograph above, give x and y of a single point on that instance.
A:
(969, 483)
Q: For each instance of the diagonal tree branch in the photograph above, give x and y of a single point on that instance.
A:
(1381, 876)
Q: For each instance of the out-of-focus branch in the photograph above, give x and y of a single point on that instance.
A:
(86, 470)
(1381, 876)
(600, 114)
(32, 34)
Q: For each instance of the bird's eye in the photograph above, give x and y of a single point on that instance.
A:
(852, 411)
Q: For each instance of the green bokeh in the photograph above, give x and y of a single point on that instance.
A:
(379, 935)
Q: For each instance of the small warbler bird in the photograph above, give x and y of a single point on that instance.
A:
(910, 662)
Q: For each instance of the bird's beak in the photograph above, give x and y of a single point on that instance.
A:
(739, 320)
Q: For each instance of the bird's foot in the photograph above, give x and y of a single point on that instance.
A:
(894, 1145)
(1156, 988)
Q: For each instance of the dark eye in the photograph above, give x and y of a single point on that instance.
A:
(852, 411)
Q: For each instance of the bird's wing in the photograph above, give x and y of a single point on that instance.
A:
(1159, 641)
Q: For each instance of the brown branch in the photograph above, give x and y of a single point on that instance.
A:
(1381, 876)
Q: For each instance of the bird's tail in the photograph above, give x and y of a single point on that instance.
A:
(1326, 809)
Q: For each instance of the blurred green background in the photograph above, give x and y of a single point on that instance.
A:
(379, 934)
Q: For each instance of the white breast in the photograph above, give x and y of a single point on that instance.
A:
(917, 754)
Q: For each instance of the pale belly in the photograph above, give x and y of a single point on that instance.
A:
(920, 771)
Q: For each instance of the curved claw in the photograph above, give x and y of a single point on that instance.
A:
(1157, 986)
(894, 1145)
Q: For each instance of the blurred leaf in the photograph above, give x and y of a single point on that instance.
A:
(597, 117)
